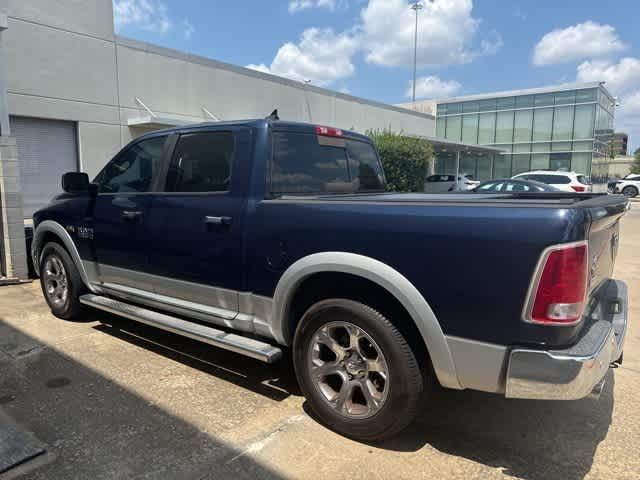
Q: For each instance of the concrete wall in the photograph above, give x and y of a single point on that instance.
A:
(64, 62)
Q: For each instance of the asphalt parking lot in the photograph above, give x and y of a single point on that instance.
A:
(110, 399)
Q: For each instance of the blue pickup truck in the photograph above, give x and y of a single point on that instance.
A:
(266, 236)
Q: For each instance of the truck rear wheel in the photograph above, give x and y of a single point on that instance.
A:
(356, 370)
(60, 281)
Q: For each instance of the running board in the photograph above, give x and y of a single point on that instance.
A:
(218, 338)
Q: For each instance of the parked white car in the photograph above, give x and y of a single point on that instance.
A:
(565, 181)
(447, 183)
(629, 186)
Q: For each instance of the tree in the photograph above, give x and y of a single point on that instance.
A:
(635, 167)
(405, 160)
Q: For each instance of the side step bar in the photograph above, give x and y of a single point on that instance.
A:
(245, 346)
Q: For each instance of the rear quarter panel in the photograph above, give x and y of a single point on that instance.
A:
(472, 264)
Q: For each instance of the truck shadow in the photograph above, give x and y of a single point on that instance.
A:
(276, 382)
(91, 426)
(533, 440)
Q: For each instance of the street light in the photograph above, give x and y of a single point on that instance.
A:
(416, 6)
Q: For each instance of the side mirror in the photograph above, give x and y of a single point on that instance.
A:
(75, 182)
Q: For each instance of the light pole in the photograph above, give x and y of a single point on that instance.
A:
(416, 6)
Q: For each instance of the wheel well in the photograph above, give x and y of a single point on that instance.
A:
(48, 237)
(325, 285)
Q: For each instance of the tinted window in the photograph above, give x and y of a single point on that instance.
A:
(490, 187)
(134, 169)
(305, 163)
(201, 163)
(551, 179)
(516, 187)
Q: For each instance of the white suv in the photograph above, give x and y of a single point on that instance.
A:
(629, 186)
(565, 181)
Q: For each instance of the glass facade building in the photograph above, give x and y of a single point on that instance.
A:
(562, 128)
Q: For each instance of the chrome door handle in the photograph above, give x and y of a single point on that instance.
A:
(217, 220)
(131, 214)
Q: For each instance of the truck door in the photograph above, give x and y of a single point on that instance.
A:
(120, 216)
(196, 222)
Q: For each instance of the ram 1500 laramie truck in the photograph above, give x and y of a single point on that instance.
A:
(256, 236)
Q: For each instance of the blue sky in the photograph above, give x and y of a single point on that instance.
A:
(365, 47)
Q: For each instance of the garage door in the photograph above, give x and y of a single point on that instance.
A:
(46, 150)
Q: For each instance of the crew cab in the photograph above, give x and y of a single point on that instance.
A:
(265, 235)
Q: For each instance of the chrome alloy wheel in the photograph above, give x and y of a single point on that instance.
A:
(55, 281)
(348, 369)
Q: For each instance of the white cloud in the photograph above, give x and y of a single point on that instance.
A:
(146, 14)
(621, 77)
(187, 29)
(433, 87)
(296, 6)
(446, 31)
(584, 40)
(321, 56)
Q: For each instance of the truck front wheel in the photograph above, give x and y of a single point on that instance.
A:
(60, 281)
(356, 370)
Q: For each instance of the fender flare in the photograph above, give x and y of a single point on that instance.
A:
(49, 226)
(386, 277)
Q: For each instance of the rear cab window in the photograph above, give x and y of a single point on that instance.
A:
(305, 164)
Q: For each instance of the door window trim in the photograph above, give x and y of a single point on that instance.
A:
(161, 184)
(125, 149)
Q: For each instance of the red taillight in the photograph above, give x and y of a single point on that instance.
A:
(561, 288)
(578, 188)
(329, 131)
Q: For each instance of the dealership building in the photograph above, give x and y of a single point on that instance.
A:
(568, 127)
(73, 93)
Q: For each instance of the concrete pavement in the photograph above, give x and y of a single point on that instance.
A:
(119, 400)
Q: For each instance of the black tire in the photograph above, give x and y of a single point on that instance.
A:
(70, 308)
(630, 192)
(406, 382)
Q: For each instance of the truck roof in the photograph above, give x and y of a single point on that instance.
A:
(282, 125)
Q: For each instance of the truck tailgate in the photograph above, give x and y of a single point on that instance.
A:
(605, 213)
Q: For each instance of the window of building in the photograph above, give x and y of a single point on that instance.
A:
(483, 167)
(583, 146)
(521, 163)
(584, 121)
(540, 161)
(302, 164)
(470, 107)
(560, 161)
(201, 163)
(544, 100)
(470, 128)
(522, 126)
(504, 127)
(561, 146)
(454, 108)
(541, 147)
(542, 124)
(502, 166)
(563, 123)
(487, 128)
(525, 101)
(565, 98)
(454, 128)
(441, 124)
(468, 164)
(487, 105)
(134, 170)
(586, 95)
(521, 148)
(580, 163)
(505, 103)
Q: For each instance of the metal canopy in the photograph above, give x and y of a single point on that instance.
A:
(442, 145)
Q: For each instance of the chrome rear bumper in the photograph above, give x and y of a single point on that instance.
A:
(575, 372)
